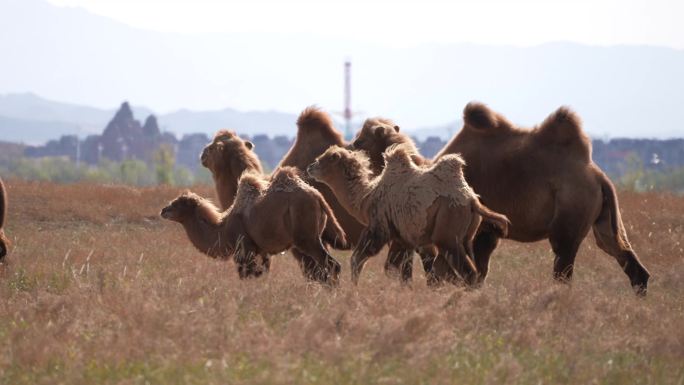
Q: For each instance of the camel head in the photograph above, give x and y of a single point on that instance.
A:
(183, 208)
(225, 150)
(337, 164)
(376, 135)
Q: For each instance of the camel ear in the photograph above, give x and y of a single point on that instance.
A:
(396, 128)
(249, 145)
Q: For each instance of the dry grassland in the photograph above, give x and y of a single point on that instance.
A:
(98, 290)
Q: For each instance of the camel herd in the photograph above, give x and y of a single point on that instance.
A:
(523, 184)
(493, 180)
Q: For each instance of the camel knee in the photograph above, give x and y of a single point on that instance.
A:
(358, 260)
(459, 261)
(399, 262)
(427, 257)
(564, 248)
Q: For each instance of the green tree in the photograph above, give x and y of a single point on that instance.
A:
(164, 160)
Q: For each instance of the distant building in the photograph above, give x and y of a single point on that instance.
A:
(125, 138)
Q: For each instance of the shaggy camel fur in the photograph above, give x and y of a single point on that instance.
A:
(4, 242)
(315, 134)
(227, 157)
(417, 206)
(560, 193)
(376, 135)
(266, 218)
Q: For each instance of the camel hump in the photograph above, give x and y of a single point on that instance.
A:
(285, 173)
(250, 186)
(288, 179)
(225, 135)
(448, 166)
(398, 153)
(562, 123)
(252, 179)
(379, 121)
(564, 128)
(478, 116)
(313, 118)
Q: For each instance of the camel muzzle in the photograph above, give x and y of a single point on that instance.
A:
(311, 170)
(165, 213)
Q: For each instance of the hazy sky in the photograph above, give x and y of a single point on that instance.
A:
(408, 22)
(408, 60)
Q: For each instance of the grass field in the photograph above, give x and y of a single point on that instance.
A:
(98, 290)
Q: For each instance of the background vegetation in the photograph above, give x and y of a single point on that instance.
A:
(132, 172)
(634, 174)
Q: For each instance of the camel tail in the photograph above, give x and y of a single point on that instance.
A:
(611, 237)
(610, 210)
(333, 233)
(499, 221)
(3, 204)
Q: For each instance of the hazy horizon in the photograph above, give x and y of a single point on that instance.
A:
(617, 64)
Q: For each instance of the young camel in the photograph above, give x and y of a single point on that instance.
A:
(414, 205)
(264, 219)
(227, 157)
(4, 242)
(375, 136)
(560, 192)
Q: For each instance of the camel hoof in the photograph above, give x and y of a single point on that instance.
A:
(640, 290)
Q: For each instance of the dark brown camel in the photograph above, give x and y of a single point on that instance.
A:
(560, 193)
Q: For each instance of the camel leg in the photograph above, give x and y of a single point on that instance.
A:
(623, 254)
(399, 262)
(370, 244)
(306, 264)
(565, 239)
(249, 263)
(265, 263)
(255, 267)
(437, 269)
(442, 272)
(326, 268)
(427, 257)
(483, 246)
(565, 250)
(462, 264)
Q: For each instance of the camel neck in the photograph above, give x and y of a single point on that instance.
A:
(226, 187)
(206, 236)
(352, 196)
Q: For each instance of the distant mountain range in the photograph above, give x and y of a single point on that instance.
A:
(69, 54)
(31, 119)
(28, 118)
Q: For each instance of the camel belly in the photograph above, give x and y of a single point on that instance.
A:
(529, 207)
(269, 230)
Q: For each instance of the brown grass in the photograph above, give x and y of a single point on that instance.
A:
(97, 289)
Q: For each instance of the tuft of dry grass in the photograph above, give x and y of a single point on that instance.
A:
(99, 290)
